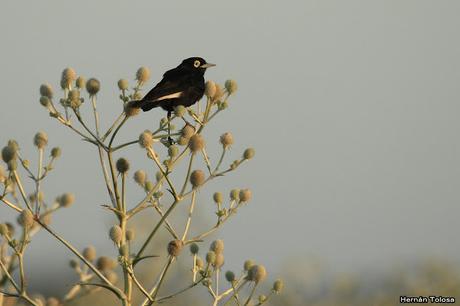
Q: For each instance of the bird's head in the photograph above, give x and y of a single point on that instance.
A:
(196, 63)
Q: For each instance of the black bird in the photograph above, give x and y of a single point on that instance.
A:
(183, 85)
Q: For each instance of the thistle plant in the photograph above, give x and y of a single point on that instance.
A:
(171, 192)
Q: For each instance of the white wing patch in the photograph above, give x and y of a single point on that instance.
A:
(170, 96)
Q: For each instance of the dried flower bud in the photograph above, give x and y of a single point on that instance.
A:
(130, 110)
(278, 286)
(187, 131)
(180, 110)
(194, 248)
(245, 195)
(199, 263)
(196, 143)
(123, 84)
(68, 76)
(122, 165)
(257, 273)
(46, 91)
(93, 86)
(40, 140)
(45, 101)
(26, 218)
(66, 199)
(116, 234)
(217, 246)
(249, 153)
(197, 178)
(226, 140)
(80, 82)
(174, 247)
(231, 86)
(139, 177)
(219, 262)
(55, 152)
(230, 276)
(142, 75)
(210, 89)
(219, 93)
(146, 139)
(173, 151)
(218, 197)
(130, 234)
(9, 154)
(89, 253)
(248, 264)
(105, 263)
(210, 257)
(235, 194)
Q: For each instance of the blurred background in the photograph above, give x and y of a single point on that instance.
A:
(352, 107)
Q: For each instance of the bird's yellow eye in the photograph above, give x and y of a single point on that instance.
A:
(197, 64)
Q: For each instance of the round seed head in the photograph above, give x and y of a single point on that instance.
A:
(93, 86)
(115, 234)
(74, 97)
(235, 194)
(196, 143)
(122, 165)
(210, 257)
(180, 110)
(26, 218)
(219, 262)
(210, 89)
(248, 264)
(130, 234)
(140, 177)
(52, 301)
(130, 110)
(231, 86)
(173, 151)
(46, 91)
(73, 264)
(123, 84)
(219, 93)
(40, 140)
(146, 139)
(226, 140)
(45, 101)
(55, 152)
(174, 247)
(199, 263)
(194, 248)
(66, 199)
(124, 250)
(249, 153)
(68, 76)
(105, 263)
(89, 253)
(197, 178)
(217, 246)
(148, 186)
(8, 154)
(80, 82)
(230, 276)
(218, 197)
(262, 298)
(245, 195)
(278, 286)
(142, 75)
(182, 141)
(187, 131)
(257, 273)
(137, 96)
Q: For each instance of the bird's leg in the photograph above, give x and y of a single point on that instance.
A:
(170, 140)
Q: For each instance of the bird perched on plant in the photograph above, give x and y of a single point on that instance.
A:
(183, 85)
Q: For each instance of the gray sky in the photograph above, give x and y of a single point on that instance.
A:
(352, 107)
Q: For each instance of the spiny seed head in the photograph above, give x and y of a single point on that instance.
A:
(93, 86)
(219, 93)
(218, 197)
(219, 262)
(40, 140)
(235, 194)
(249, 153)
(210, 257)
(245, 195)
(105, 263)
(80, 82)
(73, 264)
(139, 177)
(194, 248)
(278, 286)
(187, 131)
(52, 301)
(122, 165)
(115, 234)
(231, 86)
(217, 246)
(226, 140)
(123, 84)
(8, 154)
(248, 264)
(68, 76)
(46, 91)
(146, 139)
(130, 110)
(173, 151)
(66, 199)
(196, 143)
(142, 75)
(230, 276)
(197, 178)
(130, 234)
(26, 218)
(45, 101)
(210, 89)
(180, 110)
(174, 247)
(199, 262)
(89, 253)
(257, 273)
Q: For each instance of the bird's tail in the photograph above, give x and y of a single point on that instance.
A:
(145, 105)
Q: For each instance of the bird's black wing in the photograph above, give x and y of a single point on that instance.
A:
(172, 86)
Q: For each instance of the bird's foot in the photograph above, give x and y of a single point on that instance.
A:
(171, 141)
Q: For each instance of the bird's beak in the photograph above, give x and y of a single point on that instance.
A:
(207, 65)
